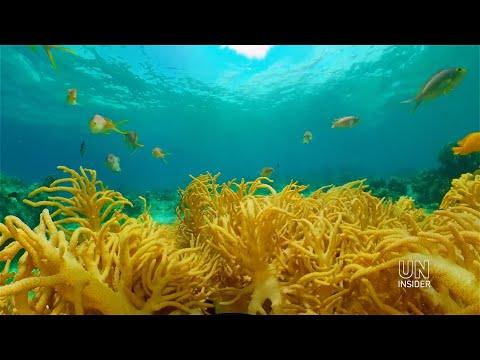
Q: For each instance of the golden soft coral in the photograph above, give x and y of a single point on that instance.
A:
(248, 230)
(116, 268)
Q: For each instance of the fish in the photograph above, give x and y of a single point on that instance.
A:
(158, 154)
(72, 97)
(307, 137)
(131, 138)
(442, 83)
(83, 148)
(101, 125)
(113, 162)
(346, 122)
(469, 144)
(49, 52)
(266, 171)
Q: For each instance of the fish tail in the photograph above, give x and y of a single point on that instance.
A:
(68, 50)
(63, 48)
(114, 127)
(50, 56)
(417, 102)
(164, 157)
(119, 131)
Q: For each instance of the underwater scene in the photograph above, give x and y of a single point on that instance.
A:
(246, 179)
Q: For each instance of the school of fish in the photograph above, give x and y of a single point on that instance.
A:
(443, 82)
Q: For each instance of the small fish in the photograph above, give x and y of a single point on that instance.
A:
(83, 148)
(131, 138)
(72, 97)
(469, 144)
(266, 171)
(307, 137)
(157, 153)
(113, 162)
(49, 53)
(99, 124)
(346, 122)
(442, 83)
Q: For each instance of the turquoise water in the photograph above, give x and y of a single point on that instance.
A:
(215, 109)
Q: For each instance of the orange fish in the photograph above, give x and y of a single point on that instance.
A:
(100, 124)
(307, 137)
(346, 122)
(157, 153)
(469, 144)
(49, 53)
(131, 138)
(266, 171)
(72, 97)
(113, 162)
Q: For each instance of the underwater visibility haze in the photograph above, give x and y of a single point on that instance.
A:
(345, 162)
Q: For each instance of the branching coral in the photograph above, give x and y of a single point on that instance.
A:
(232, 219)
(464, 191)
(244, 246)
(91, 203)
(128, 268)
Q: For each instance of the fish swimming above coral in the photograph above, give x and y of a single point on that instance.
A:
(335, 251)
(442, 83)
(468, 145)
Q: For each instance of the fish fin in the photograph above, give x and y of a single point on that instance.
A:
(412, 110)
(447, 91)
(408, 101)
(106, 133)
(68, 50)
(49, 53)
(114, 126)
(417, 102)
(119, 131)
(63, 48)
(457, 150)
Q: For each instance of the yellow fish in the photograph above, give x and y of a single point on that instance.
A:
(101, 125)
(49, 52)
(469, 144)
(442, 83)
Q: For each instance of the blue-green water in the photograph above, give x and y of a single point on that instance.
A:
(215, 110)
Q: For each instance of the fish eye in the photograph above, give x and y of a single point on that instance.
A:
(459, 69)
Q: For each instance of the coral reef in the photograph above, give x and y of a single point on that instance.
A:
(110, 264)
(428, 187)
(12, 192)
(452, 166)
(242, 247)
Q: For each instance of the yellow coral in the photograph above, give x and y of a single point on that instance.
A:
(245, 247)
(464, 191)
(129, 268)
(89, 205)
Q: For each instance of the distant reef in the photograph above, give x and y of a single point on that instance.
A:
(427, 187)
